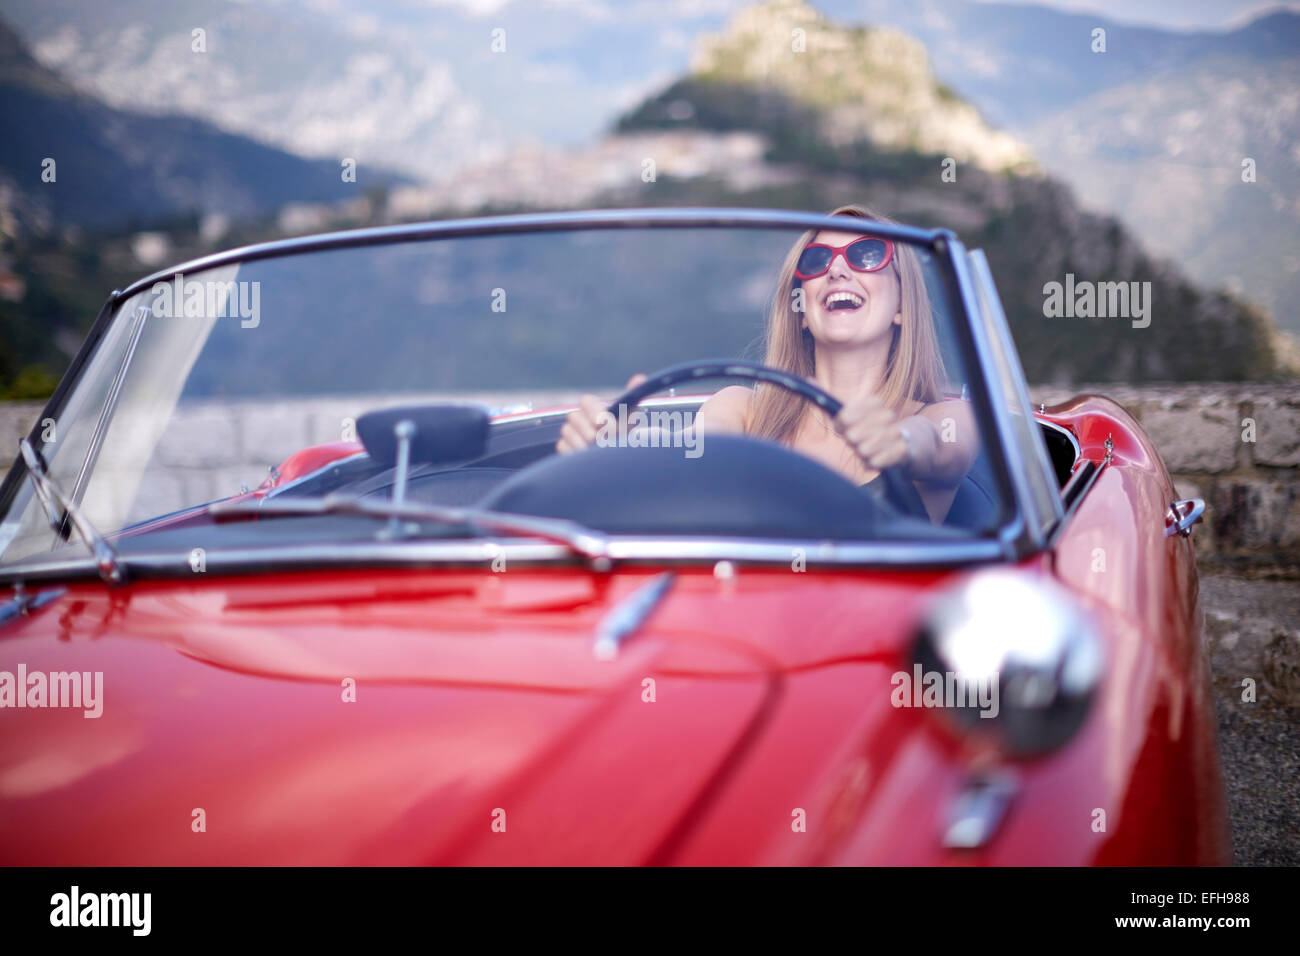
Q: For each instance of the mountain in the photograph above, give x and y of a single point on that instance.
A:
(1148, 131)
(1023, 63)
(66, 242)
(743, 122)
(757, 123)
(415, 86)
(865, 82)
(1167, 154)
(111, 166)
(1154, 130)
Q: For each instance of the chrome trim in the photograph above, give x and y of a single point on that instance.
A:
(110, 406)
(1080, 480)
(1044, 464)
(107, 561)
(1062, 430)
(53, 408)
(404, 432)
(683, 551)
(362, 553)
(1017, 533)
(22, 603)
(633, 218)
(44, 494)
(979, 809)
(829, 553)
(1078, 489)
(310, 475)
(1182, 514)
(626, 617)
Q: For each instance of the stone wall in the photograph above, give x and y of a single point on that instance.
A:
(1238, 447)
(1204, 433)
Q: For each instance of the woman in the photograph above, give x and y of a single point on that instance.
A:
(854, 318)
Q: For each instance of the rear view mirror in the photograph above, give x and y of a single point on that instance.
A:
(437, 433)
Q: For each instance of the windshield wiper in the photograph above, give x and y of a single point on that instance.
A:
(579, 539)
(53, 498)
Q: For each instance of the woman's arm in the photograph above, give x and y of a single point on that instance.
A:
(583, 424)
(936, 445)
(724, 411)
(945, 443)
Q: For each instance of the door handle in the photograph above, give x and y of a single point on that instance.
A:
(1182, 514)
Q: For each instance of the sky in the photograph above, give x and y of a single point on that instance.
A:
(1170, 14)
(1173, 14)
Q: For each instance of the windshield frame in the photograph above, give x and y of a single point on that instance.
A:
(1014, 537)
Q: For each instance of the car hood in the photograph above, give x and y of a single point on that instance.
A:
(434, 716)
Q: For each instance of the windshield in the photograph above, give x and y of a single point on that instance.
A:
(248, 380)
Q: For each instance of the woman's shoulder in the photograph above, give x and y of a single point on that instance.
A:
(737, 395)
(943, 404)
(726, 408)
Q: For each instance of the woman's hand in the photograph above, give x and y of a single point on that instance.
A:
(584, 422)
(877, 434)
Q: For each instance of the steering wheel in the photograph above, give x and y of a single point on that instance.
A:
(900, 494)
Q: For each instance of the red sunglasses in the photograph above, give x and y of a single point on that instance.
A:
(867, 254)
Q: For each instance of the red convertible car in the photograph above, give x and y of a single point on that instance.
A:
(298, 577)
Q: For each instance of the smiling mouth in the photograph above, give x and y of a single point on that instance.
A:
(843, 301)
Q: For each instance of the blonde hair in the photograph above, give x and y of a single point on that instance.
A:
(913, 367)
